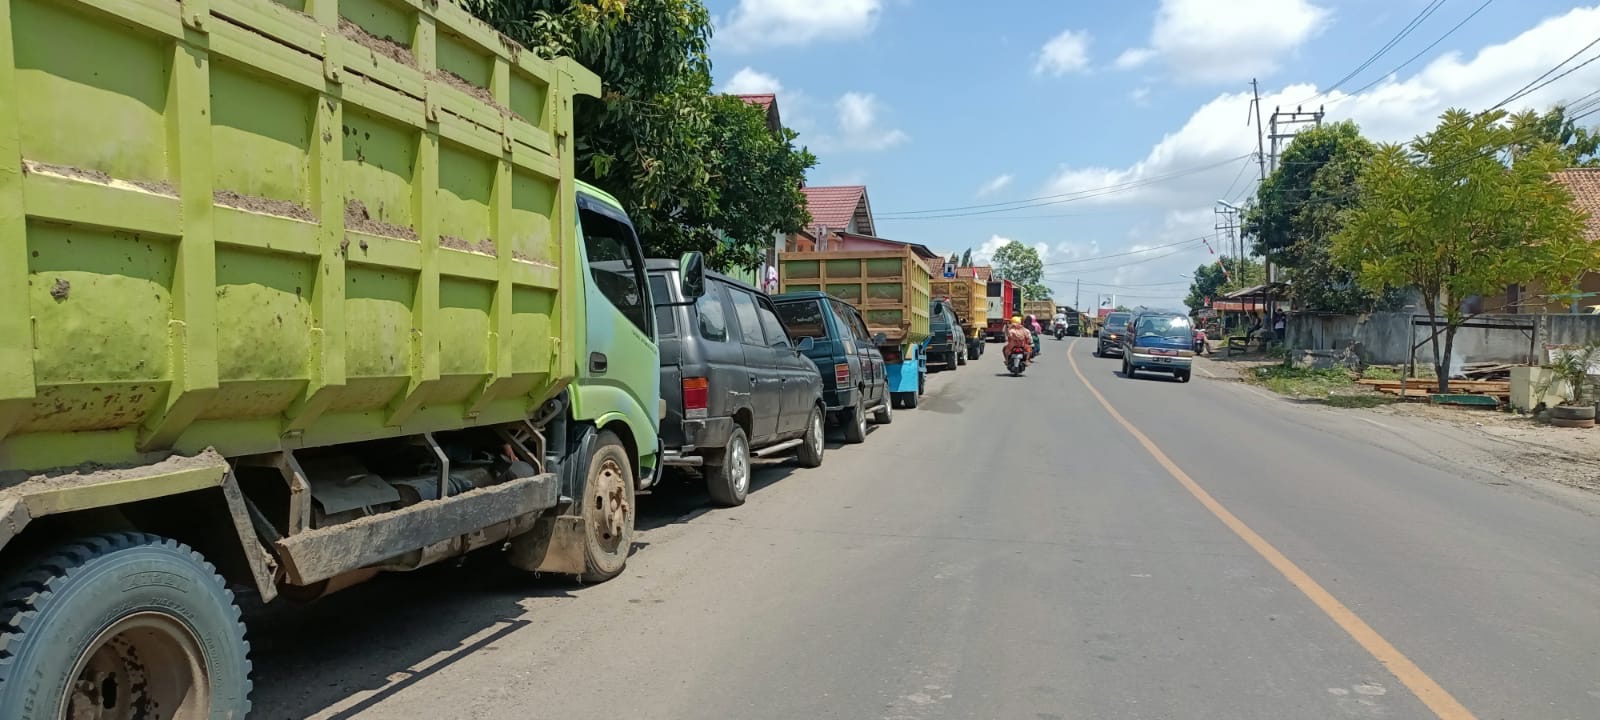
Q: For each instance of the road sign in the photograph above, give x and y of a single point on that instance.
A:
(949, 270)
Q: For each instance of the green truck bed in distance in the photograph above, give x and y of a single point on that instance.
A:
(257, 228)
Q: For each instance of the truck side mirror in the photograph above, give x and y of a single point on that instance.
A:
(806, 344)
(880, 339)
(692, 275)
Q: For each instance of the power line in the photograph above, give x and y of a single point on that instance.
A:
(1057, 199)
(1530, 88)
(1130, 252)
(1413, 58)
(1242, 168)
(1140, 261)
(1416, 22)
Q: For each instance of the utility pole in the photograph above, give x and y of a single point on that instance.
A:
(1255, 104)
(1228, 222)
(1077, 294)
(1284, 126)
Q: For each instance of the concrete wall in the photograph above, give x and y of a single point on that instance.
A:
(1384, 338)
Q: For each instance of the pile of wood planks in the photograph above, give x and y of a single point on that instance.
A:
(1424, 388)
(1487, 371)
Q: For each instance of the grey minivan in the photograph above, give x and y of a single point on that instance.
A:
(734, 384)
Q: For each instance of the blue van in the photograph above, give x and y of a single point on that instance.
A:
(1158, 342)
(855, 379)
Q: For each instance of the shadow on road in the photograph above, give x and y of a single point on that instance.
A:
(371, 638)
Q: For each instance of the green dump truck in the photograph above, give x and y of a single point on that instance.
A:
(288, 298)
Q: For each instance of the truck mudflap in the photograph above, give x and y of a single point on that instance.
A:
(315, 555)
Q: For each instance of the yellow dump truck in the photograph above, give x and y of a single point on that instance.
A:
(967, 296)
(891, 288)
(289, 299)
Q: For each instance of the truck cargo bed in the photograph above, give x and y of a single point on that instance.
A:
(253, 228)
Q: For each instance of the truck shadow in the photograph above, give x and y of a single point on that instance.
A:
(310, 657)
(682, 497)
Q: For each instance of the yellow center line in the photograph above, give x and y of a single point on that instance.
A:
(1441, 702)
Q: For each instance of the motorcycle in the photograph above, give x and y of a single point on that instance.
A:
(1016, 361)
(1200, 345)
(1061, 331)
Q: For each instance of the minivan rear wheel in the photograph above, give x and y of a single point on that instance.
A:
(728, 479)
(855, 425)
(810, 454)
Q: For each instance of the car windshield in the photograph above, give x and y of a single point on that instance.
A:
(802, 319)
(1165, 327)
(1115, 321)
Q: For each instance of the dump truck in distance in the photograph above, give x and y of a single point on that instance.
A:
(967, 297)
(891, 288)
(285, 304)
(1004, 302)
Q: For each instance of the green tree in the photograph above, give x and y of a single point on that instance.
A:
(1449, 217)
(966, 258)
(687, 166)
(756, 177)
(1578, 145)
(1298, 209)
(1018, 263)
(1209, 280)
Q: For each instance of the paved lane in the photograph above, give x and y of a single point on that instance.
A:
(1007, 551)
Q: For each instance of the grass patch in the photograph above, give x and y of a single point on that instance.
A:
(1366, 400)
(1381, 372)
(1335, 387)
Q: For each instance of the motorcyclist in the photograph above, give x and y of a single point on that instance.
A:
(1060, 327)
(1033, 327)
(1018, 339)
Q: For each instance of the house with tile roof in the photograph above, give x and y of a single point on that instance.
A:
(769, 103)
(836, 209)
(1584, 184)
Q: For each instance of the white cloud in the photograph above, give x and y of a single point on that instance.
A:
(860, 126)
(995, 185)
(749, 81)
(1200, 41)
(1395, 110)
(1134, 58)
(1140, 95)
(772, 23)
(984, 254)
(1065, 53)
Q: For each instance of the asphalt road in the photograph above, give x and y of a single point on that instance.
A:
(1011, 550)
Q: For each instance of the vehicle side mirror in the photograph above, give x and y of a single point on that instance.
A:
(880, 339)
(806, 344)
(692, 275)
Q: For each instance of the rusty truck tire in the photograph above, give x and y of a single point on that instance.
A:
(608, 509)
(119, 625)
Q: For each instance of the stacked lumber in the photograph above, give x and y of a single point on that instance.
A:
(1487, 371)
(1420, 388)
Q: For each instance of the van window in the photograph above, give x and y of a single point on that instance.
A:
(744, 309)
(847, 321)
(776, 336)
(666, 323)
(803, 319)
(713, 318)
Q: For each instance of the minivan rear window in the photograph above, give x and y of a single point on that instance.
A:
(666, 323)
(803, 319)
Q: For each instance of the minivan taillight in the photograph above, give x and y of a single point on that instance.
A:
(841, 373)
(891, 356)
(696, 397)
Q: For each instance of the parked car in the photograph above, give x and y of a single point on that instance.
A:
(947, 347)
(1158, 342)
(854, 381)
(735, 385)
(1111, 333)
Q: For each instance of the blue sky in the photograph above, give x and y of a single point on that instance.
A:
(1132, 111)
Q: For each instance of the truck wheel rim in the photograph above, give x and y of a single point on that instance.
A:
(611, 505)
(815, 441)
(147, 662)
(739, 467)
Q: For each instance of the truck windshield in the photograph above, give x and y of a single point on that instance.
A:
(802, 319)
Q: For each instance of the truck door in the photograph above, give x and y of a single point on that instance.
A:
(618, 366)
(766, 381)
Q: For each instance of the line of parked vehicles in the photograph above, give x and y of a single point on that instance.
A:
(748, 375)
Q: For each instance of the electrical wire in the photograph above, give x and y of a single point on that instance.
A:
(1130, 252)
(1416, 22)
(1044, 200)
(1530, 88)
(1413, 58)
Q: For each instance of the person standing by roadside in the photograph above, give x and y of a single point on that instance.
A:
(1279, 322)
